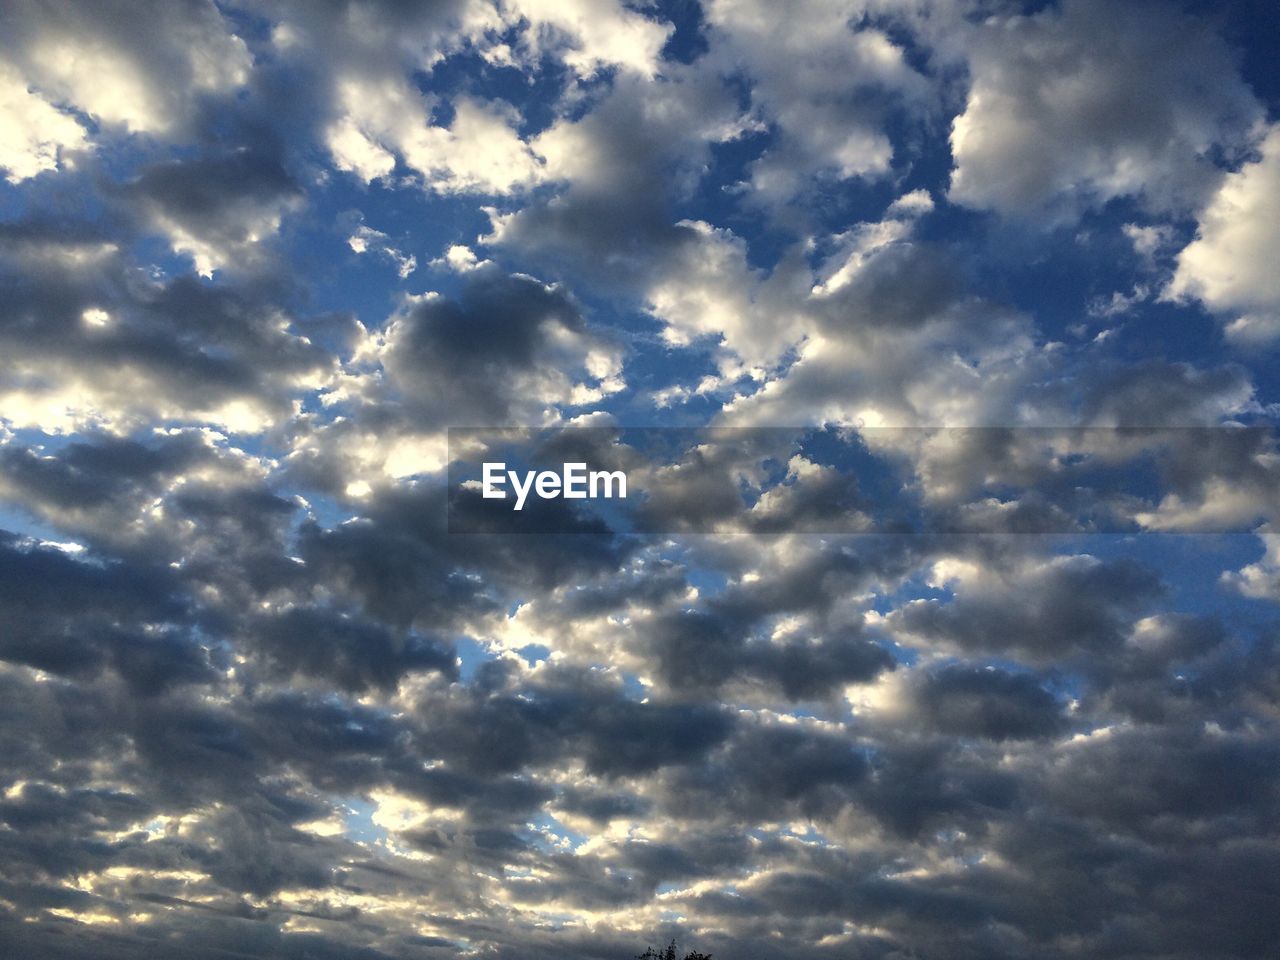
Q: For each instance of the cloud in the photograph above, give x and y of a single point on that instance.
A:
(986, 702)
(479, 152)
(824, 80)
(219, 211)
(623, 164)
(460, 258)
(70, 617)
(508, 350)
(1075, 606)
(366, 239)
(590, 36)
(113, 348)
(348, 652)
(1223, 266)
(40, 137)
(1260, 579)
(508, 342)
(379, 117)
(1077, 105)
(260, 698)
(140, 66)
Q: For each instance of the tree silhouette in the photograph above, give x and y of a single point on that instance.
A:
(670, 954)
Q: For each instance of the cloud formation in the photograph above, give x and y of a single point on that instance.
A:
(259, 698)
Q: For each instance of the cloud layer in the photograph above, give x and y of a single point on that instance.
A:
(258, 699)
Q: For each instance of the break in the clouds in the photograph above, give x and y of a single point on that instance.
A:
(260, 698)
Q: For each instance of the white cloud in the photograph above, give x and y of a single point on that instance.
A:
(379, 116)
(1230, 266)
(478, 152)
(140, 67)
(881, 330)
(911, 205)
(711, 291)
(1072, 107)
(1260, 580)
(594, 34)
(36, 133)
(367, 240)
(1148, 241)
(824, 84)
(1220, 503)
(354, 152)
(217, 251)
(482, 152)
(460, 259)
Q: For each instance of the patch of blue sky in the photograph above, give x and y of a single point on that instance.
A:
(16, 520)
(633, 688)
(471, 655)
(366, 284)
(549, 835)
(533, 94)
(534, 653)
(358, 824)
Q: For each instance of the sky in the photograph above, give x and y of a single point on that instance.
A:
(939, 339)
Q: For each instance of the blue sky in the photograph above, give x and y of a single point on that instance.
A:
(1005, 269)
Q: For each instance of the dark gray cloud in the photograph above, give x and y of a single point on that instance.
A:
(96, 341)
(491, 353)
(987, 702)
(625, 164)
(1057, 611)
(695, 651)
(218, 210)
(350, 653)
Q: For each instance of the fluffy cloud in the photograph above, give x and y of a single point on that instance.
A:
(1076, 105)
(590, 35)
(1224, 267)
(1081, 604)
(825, 80)
(219, 211)
(258, 696)
(1260, 579)
(365, 239)
(508, 350)
(143, 67)
(91, 341)
(39, 135)
(478, 152)
(624, 165)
